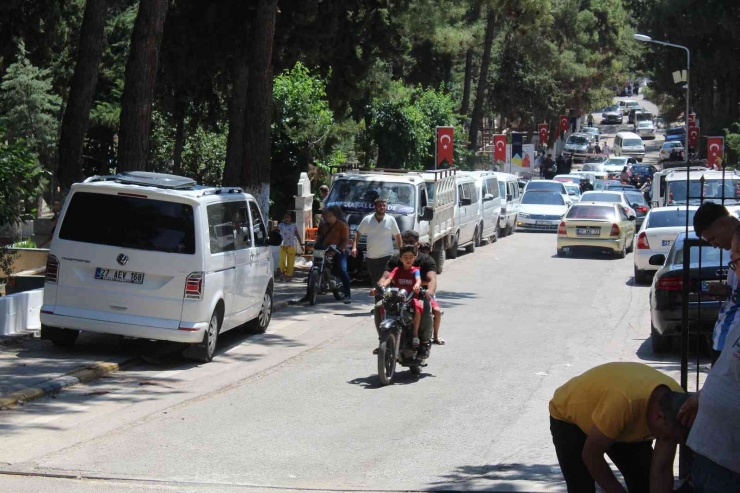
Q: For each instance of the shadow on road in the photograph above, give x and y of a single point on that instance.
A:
(498, 472)
(403, 376)
(671, 360)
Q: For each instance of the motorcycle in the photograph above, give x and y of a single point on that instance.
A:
(397, 333)
(323, 277)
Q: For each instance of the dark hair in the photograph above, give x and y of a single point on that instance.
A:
(706, 215)
(410, 233)
(408, 249)
(425, 248)
(336, 211)
(670, 403)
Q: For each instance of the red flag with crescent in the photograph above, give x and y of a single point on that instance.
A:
(693, 136)
(499, 148)
(692, 119)
(445, 147)
(564, 124)
(544, 133)
(715, 150)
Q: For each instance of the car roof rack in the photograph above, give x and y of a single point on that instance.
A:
(221, 190)
(147, 179)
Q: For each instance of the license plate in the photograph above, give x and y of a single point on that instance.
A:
(704, 286)
(542, 223)
(119, 276)
(667, 242)
(588, 231)
(318, 253)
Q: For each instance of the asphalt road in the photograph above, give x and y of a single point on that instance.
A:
(300, 407)
(652, 146)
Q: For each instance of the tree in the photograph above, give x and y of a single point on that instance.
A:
(82, 92)
(480, 92)
(141, 78)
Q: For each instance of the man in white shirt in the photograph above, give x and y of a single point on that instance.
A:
(381, 230)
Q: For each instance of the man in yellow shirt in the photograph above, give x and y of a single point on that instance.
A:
(618, 409)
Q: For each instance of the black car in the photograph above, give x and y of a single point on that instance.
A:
(643, 171)
(666, 293)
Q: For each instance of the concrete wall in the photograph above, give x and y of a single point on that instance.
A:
(28, 259)
(21, 313)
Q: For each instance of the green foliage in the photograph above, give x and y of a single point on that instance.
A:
(25, 244)
(29, 108)
(732, 144)
(21, 178)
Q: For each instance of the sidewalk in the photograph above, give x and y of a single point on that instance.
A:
(28, 364)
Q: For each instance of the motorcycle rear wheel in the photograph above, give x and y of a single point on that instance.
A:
(313, 288)
(387, 358)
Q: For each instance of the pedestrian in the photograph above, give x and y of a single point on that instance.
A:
(548, 164)
(540, 164)
(714, 224)
(289, 232)
(380, 230)
(560, 163)
(590, 120)
(618, 409)
(646, 188)
(597, 148)
(624, 176)
(605, 149)
(333, 230)
(713, 414)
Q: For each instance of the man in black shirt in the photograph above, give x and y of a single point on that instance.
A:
(428, 271)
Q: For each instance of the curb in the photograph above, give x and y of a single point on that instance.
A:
(83, 374)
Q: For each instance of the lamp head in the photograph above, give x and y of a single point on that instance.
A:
(642, 37)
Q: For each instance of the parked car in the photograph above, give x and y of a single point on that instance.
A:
(155, 256)
(623, 105)
(510, 199)
(666, 292)
(610, 197)
(657, 234)
(578, 147)
(612, 114)
(637, 201)
(676, 134)
(467, 216)
(541, 210)
(490, 203)
(629, 144)
(667, 148)
(645, 129)
(596, 226)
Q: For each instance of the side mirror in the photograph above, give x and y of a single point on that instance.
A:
(487, 197)
(427, 214)
(509, 197)
(465, 201)
(657, 260)
(632, 218)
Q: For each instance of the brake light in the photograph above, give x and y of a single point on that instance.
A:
(670, 284)
(561, 229)
(642, 242)
(52, 269)
(194, 286)
(641, 208)
(615, 230)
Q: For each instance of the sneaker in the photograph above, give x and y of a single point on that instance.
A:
(347, 300)
(376, 351)
(415, 342)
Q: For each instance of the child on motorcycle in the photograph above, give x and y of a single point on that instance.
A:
(408, 277)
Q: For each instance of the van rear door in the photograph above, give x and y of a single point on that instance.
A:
(125, 254)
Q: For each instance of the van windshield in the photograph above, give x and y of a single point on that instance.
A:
(360, 195)
(577, 139)
(632, 143)
(129, 222)
(713, 190)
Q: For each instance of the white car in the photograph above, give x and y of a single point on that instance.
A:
(156, 256)
(645, 129)
(574, 191)
(610, 197)
(667, 148)
(548, 186)
(614, 165)
(656, 236)
(541, 210)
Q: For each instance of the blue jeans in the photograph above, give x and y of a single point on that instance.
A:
(340, 261)
(710, 477)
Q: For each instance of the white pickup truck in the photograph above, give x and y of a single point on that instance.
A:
(423, 201)
(670, 188)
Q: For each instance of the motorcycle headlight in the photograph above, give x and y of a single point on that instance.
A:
(403, 293)
(388, 294)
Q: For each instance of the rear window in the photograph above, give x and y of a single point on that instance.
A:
(129, 222)
(635, 198)
(632, 143)
(675, 131)
(669, 219)
(602, 197)
(548, 186)
(591, 212)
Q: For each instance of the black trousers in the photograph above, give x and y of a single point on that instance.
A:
(632, 459)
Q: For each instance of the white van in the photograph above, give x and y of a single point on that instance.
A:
(490, 203)
(508, 186)
(156, 256)
(467, 215)
(629, 144)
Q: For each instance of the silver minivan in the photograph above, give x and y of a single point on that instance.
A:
(490, 203)
(467, 216)
(629, 144)
(508, 186)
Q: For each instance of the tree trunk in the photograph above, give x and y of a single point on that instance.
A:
(480, 95)
(180, 114)
(82, 92)
(465, 107)
(256, 172)
(237, 117)
(138, 92)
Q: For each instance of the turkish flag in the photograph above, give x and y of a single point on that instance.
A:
(564, 125)
(445, 147)
(693, 136)
(499, 148)
(715, 150)
(544, 134)
(692, 119)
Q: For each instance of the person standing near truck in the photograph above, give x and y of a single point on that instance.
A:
(380, 230)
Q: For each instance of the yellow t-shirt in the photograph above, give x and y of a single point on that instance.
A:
(614, 397)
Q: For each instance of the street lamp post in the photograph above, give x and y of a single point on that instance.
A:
(648, 39)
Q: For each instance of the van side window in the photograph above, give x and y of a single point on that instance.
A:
(492, 187)
(258, 225)
(240, 223)
(472, 192)
(423, 202)
(220, 229)
(502, 189)
(461, 193)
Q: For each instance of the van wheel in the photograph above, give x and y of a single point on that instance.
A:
(205, 350)
(562, 253)
(259, 324)
(452, 251)
(59, 336)
(500, 233)
(471, 247)
(479, 236)
(439, 258)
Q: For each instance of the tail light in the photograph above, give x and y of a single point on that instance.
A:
(561, 229)
(52, 269)
(194, 286)
(641, 208)
(615, 230)
(669, 284)
(642, 242)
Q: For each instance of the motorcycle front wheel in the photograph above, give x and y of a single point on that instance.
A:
(313, 287)
(387, 358)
